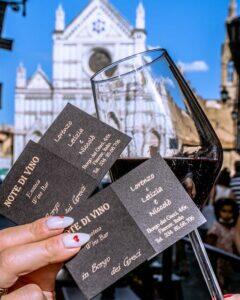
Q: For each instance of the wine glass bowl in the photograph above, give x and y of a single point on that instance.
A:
(147, 98)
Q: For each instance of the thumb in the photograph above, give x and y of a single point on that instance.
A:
(45, 277)
(30, 291)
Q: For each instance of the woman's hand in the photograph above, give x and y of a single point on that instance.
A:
(31, 256)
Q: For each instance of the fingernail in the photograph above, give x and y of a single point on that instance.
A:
(227, 296)
(59, 222)
(75, 240)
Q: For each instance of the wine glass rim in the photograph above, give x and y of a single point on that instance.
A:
(162, 52)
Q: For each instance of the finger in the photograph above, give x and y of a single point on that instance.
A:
(33, 232)
(232, 297)
(25, 259)
(30, 291)
(45, 277)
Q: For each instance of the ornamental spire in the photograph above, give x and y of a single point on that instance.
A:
(60, 19)
(232, 10)
(140, 18)
(21, 76)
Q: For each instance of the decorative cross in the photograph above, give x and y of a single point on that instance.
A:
(98, 26)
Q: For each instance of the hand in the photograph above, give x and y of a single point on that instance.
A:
(31, 256)
(232, 297)
(190, 187)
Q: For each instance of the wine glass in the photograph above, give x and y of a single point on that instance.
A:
(146, 96)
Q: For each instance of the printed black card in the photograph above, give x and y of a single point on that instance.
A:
(84, 141)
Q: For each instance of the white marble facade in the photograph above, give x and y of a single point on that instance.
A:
(97, 36)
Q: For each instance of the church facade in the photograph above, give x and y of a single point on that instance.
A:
(98, 36)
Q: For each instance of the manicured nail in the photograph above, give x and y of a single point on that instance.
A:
(75, 240)
(227, 296)
(59, 222)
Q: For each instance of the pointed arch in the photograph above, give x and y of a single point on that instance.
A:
(230, 71)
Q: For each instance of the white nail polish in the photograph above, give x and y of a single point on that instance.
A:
(75, 240)
(57, 222)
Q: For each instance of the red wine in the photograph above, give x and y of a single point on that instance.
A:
(196, 174)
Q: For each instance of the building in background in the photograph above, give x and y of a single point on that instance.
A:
(220, 112)
(6, 149)
(229, 77)
(98, 36)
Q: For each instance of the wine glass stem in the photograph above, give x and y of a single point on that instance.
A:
(205, 265)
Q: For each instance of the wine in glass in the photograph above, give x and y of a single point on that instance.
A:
(146, 97)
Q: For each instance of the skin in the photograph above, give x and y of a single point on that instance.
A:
(190, 187)
(226, 213)
(30, 258)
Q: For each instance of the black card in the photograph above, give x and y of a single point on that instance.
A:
(158, 203)
(117, 244)
(40, 183)
(84, 141)
(161, 213)
(75, 153)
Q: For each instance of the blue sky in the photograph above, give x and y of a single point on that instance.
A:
(191, 30)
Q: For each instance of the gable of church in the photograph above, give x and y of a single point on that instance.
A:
(39, 81)
(97, 21)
